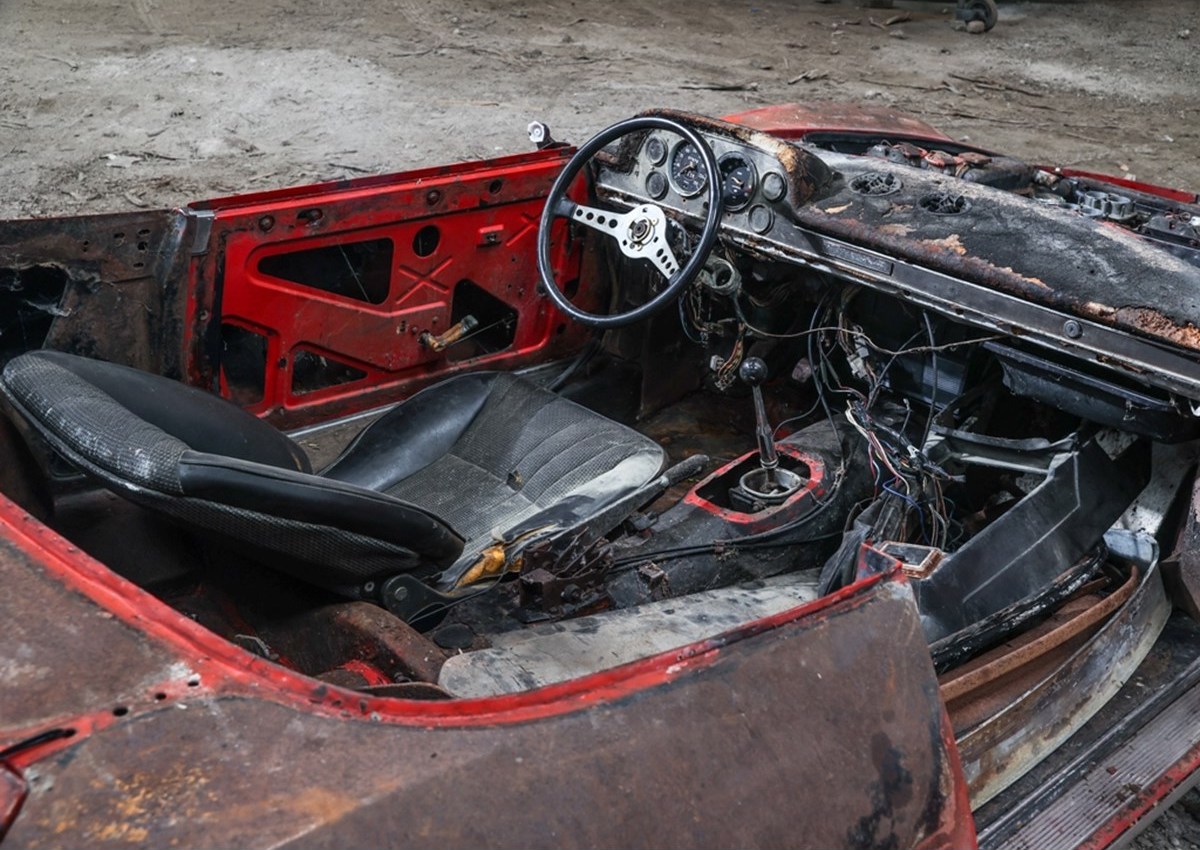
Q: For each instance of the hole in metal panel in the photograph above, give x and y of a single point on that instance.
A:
(426, 240)
(358, 270)
(243, 364)
(312, 372)
(30, 300)
(497, 326)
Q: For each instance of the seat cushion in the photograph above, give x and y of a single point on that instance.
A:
(524, 452)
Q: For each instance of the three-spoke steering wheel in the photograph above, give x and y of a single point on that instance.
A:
(641, 233)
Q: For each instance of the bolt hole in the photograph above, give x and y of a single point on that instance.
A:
(142, 246)
(160, 696)
(495, 186)
(145, 231)
(120, 711)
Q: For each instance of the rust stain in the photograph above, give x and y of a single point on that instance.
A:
(1097, 310)
(1036, 281)
(948, 243)
(1153, 322)
(895, 229)
(306, 808)
(122, 832)
(320, 804)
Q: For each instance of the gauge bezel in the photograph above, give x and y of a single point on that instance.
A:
(771, 196)
(754, 184)
(666, 185)
(691, 193)
(666, 150)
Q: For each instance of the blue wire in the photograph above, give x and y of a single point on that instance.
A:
(916, 507)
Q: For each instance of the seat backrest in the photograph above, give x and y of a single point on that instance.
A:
(210, 465)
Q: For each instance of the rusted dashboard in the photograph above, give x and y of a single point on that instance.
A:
(987, 256)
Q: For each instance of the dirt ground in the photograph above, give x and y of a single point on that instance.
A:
(108, 105)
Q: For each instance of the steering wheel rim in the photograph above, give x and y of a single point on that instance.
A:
(647, 215)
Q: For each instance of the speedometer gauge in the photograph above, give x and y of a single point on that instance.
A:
(687, 170)
(738, 179)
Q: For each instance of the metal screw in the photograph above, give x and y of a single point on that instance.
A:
(266, 223)
(400, 594)
(1072, 329)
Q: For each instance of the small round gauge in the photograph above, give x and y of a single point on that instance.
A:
(656, 185)
(761, 218)
(656, 150)
(687, 170)
(738, 180)
(773, 186)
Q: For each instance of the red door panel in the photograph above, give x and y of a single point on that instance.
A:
(311, 303)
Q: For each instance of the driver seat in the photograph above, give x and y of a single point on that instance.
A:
(424, 490)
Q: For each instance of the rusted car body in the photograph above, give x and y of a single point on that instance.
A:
(948, 600)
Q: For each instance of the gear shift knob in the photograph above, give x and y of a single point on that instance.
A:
(753, 371)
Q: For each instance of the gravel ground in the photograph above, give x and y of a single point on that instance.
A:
(108, 105)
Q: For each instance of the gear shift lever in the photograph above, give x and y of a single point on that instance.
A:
(768, 484)
(753, 372)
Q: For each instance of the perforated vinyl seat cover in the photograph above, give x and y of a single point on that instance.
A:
(426, 487)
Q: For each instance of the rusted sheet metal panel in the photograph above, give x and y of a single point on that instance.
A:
(61, 656)
(123, 298)
(819, 730)
(1000, 750)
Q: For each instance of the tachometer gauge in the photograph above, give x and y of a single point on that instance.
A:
(687, 170)
(738, 179)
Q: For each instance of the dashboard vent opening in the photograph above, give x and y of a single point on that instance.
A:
(875, 183)
(944, 203)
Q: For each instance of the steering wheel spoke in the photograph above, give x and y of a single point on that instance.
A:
(641, 233)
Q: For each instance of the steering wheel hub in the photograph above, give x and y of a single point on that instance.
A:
(640, 230)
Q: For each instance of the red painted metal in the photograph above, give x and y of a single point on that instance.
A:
(796, 504)
(485, 215)
(13, 791)
(797, 120)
